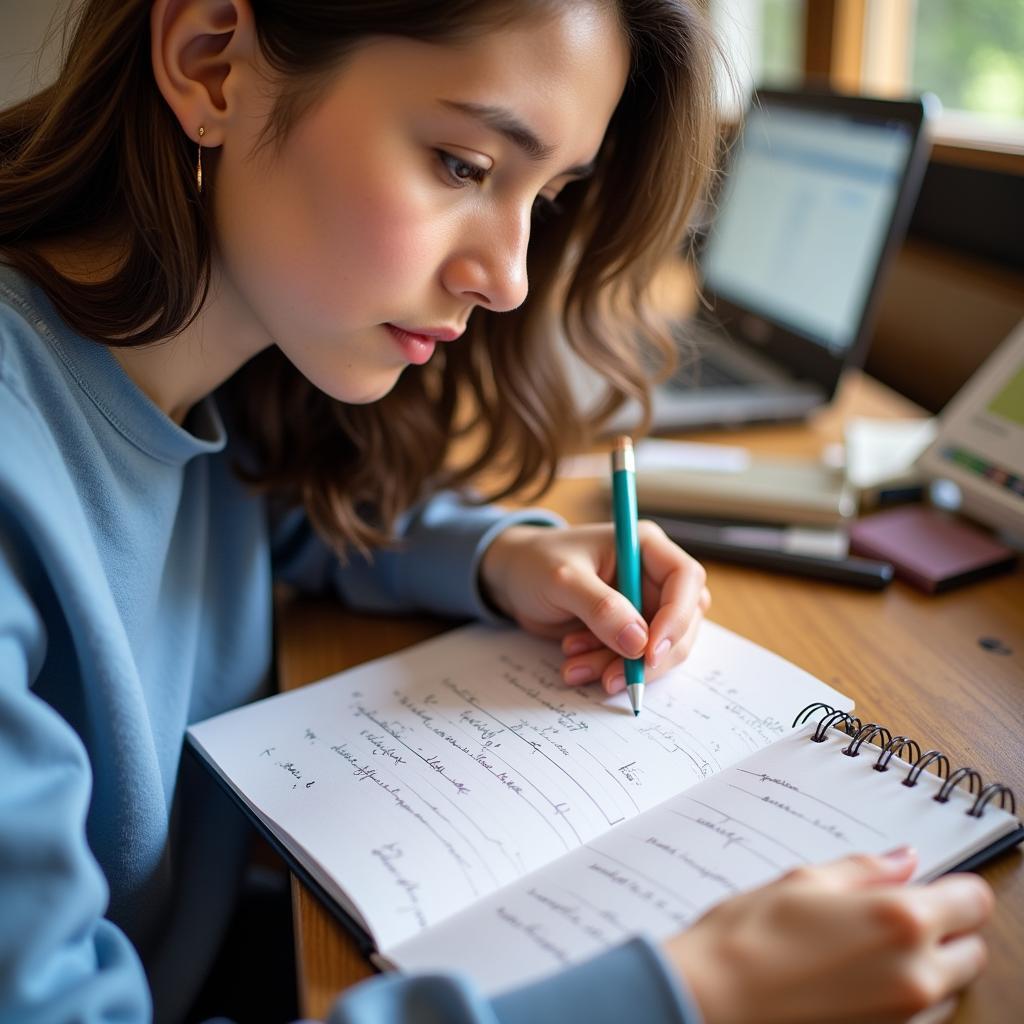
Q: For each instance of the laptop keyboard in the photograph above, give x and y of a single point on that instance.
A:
(704, 373)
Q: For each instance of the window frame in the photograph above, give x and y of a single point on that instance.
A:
(864, 45)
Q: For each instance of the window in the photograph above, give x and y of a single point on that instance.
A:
(782, 37)
(763, 45)
(971, 54)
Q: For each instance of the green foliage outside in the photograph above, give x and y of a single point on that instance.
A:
(781, 40)
(970, 53)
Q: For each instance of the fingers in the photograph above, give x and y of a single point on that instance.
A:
(590, 667)
(913, 915)
(588, 660)
(924, 982)
(850, 926)
(674, 585)
(960, 961)
(860, 869)
(598, 663)
(680, 649)
(956, 904)
(580, 642)
(606, 613)
(679, 583)
(951, 906)
(931, 933)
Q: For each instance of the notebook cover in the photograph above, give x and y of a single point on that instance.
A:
(363, 940)
(995, 849)
(930, 549)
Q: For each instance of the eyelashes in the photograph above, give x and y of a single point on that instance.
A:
(459, 173)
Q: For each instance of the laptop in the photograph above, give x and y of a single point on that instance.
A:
(816, 198)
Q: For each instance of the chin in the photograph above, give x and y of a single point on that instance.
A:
(358, 392)
(355, 382)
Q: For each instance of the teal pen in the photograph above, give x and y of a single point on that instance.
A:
(627, 552)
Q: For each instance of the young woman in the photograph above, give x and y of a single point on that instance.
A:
(347, 231)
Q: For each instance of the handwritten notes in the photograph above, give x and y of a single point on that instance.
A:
(416, 785)
(797, 802)
(458, 800)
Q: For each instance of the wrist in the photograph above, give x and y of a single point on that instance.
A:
(711, 989)
(494, 569)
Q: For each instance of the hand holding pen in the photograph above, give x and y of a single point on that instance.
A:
(561, 583)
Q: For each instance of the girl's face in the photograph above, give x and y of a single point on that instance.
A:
(403, 199)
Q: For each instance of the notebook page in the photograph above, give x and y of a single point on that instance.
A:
(797, 802)
(422, 782)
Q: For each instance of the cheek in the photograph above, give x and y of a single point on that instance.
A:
(334, 243)
(370, 218)
(378, 236)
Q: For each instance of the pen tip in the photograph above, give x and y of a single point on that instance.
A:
(636, 697)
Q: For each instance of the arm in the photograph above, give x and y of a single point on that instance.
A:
(59, 958)
(628, 983)
(435, 567)
(847, 941)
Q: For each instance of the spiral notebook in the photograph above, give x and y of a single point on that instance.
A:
(457, 806)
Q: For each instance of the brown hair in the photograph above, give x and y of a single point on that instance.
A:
(101, 148)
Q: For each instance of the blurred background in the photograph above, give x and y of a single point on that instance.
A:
(957, 287)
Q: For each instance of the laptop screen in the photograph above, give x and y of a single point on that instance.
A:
(804, 216)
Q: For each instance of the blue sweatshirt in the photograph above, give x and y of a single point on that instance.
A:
(135, 599)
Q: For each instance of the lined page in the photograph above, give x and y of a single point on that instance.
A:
(415, 785)
(797, 802)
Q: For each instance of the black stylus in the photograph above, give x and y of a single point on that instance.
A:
(703, 540)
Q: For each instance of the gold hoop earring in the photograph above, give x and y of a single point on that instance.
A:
(199, 160)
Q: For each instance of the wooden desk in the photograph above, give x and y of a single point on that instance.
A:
(911, 661)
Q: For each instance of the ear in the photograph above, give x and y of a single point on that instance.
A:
(201, 51)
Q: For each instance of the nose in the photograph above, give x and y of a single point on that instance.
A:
(489, 267)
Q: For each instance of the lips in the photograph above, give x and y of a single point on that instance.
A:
(418, 344)
(431, 333)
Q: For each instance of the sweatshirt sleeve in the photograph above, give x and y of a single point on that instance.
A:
(434, 567)
(60, 959)
(630, 982)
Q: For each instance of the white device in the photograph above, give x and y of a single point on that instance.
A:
(980, 440)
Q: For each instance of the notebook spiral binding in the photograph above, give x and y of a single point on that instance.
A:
(895, 746)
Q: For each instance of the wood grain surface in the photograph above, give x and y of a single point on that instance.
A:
(911, 662)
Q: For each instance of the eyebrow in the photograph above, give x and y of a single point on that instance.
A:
(505, 123)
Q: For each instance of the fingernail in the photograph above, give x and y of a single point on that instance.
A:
(662, 647)
(900, 854)
(578, 674)
(633, 638)
(617, 685)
